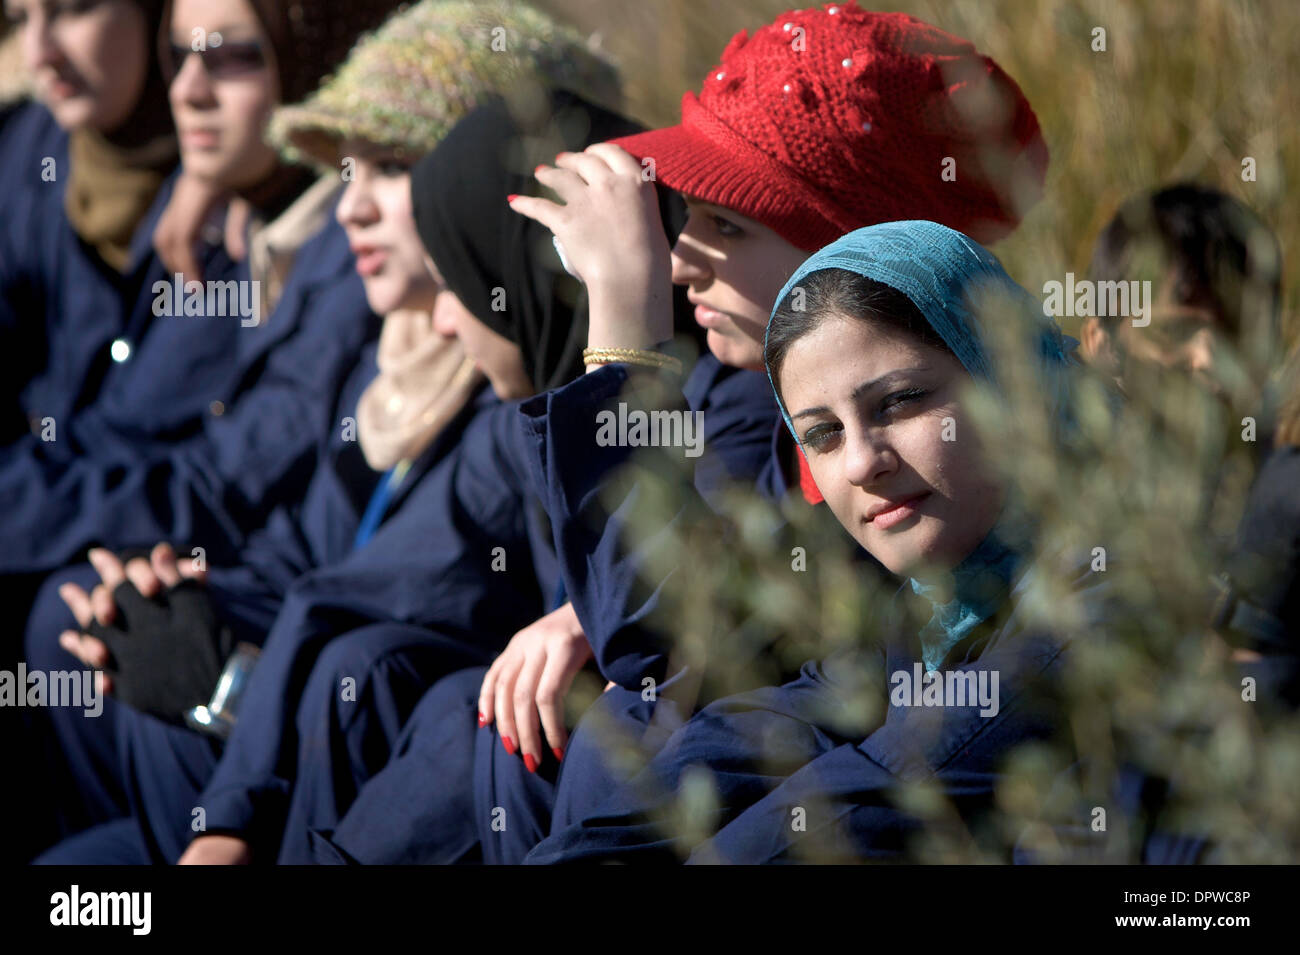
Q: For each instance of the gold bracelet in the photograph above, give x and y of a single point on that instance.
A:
(631, 356)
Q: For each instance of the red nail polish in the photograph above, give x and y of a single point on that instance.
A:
(509, 744)
(531, 762)
(559, 753)
(512, 197)
(482, 721)
(540, 167)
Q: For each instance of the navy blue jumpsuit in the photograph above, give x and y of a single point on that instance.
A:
(451, 792)
(429, 569)
(794, 780)
(201, 432)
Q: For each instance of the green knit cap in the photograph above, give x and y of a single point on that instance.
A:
(409, 82)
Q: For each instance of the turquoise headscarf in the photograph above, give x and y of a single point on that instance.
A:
(943, 273)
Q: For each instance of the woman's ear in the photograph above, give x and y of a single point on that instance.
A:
(444, 314)
(1098, 346)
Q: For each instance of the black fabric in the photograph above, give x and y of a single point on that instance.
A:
(167, 652)
(480, 244)
(152, 115)
(1265, 565)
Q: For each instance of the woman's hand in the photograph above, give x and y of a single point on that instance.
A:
(180, 227)
(162, 569)
(529, 681)
(613, 238)
(217, 850)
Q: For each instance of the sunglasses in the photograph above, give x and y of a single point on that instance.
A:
(231, 58)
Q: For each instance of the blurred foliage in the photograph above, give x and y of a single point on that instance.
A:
(1185, 90)
(1157, 483)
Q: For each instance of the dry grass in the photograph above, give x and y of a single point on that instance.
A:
(1185, 90)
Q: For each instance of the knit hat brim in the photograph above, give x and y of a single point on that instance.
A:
(314, 131)
(716, 165)
(406, 84)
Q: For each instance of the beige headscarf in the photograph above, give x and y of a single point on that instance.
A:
(424, 381)
(114, 175)
(111, 187)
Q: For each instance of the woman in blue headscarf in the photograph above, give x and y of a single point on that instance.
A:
(871, 349)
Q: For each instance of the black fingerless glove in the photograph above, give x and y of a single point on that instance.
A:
(167, 652)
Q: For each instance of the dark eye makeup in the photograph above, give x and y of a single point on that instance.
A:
(820, 437)
(899, 399)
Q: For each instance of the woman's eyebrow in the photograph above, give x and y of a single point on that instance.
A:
(820, 409)
(865, 387)
(886, 378)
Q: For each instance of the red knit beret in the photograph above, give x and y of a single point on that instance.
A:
(831, 119)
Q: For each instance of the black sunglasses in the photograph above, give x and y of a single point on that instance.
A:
(224, 59)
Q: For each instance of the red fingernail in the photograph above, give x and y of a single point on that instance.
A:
(539, 168)
(530, 762)
(509, 744)
(512, 197)
(559, 753)
(482, 721)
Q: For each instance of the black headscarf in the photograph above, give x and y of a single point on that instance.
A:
(151, 117)
(490, 255)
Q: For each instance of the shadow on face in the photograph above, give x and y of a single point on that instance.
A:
(734, 268)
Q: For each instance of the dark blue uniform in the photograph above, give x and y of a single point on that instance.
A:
(81, 757)
(456, 566)
(62, 307)
(451, 793)
(261, 413)
(33, 207)
(1262, 612)
(796, 778)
